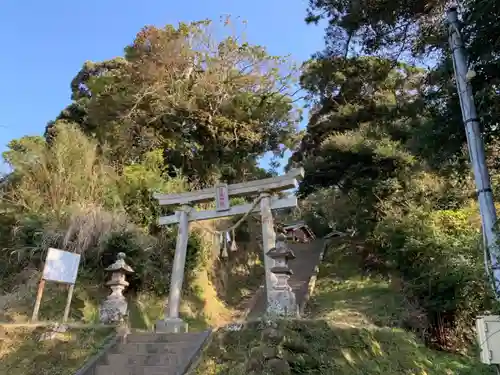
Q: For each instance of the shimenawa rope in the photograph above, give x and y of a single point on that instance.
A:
(219, 233)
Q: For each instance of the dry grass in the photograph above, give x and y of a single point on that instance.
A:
(200, 308)
(215, 292)
(16, 306)
(207, 301)
(84, 228)
(65, 185)
(201, 305)
(25, 290)
(55, 177)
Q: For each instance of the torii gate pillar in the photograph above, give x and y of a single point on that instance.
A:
(173, 323)
(268, 240)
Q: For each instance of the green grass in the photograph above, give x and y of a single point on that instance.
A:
(244, 273)
(146, 309)
(323, 347)
(22, 354)
(350, 329)
(346, 293)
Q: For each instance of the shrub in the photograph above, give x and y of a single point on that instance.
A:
(438, 258)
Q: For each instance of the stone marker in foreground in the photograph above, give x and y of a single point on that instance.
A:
(115, 308)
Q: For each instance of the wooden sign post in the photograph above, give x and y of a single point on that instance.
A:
(60, 267)
(262, 188)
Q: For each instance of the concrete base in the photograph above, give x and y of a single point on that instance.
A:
(171, 325)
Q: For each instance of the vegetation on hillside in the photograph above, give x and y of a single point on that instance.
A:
(181, 110)
(385, 152)
(354, 325)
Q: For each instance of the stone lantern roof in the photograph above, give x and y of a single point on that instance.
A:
(281, 250)
(281, 254)
(120, 265)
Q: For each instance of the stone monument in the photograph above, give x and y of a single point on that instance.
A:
(115, 308)
(281, 299)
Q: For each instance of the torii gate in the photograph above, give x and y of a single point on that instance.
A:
(221, 193)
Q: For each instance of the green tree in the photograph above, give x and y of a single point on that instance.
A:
(363, 112)
(212, 107)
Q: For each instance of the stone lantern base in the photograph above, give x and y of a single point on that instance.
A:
(113, 310)
(282, 303)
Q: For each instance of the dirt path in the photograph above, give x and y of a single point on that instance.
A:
(303, 268)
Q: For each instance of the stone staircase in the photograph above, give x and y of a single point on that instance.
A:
(175, 353)
(153, 354)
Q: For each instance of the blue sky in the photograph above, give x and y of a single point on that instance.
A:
(46, 42)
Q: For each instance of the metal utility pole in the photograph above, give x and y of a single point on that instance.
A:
(476, 149)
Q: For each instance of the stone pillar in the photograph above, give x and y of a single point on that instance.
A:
(173, 323)
(281, 299)
(115, 308)
(268, 240)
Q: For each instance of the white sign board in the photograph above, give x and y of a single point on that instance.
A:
(61, 266)
(222, 197)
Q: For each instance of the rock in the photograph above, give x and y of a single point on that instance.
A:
(270, 352)
(266, 322)
(279, 367)
(234, 327)
(283, 303)
(113, 310)
(52, 333)
(254, 365)
(270, 333)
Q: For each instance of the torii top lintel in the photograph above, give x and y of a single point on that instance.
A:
(273, 184)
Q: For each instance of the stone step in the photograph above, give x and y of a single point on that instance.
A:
(143, 348)
(172, 359)
(163, 337)
(138, 370)
(153, 354)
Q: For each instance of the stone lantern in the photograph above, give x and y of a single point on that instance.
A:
(115, 308)
(281, 300)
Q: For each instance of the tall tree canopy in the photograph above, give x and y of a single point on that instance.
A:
(357, 103)
(213, 107)
(415, 31)
(395, 33)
